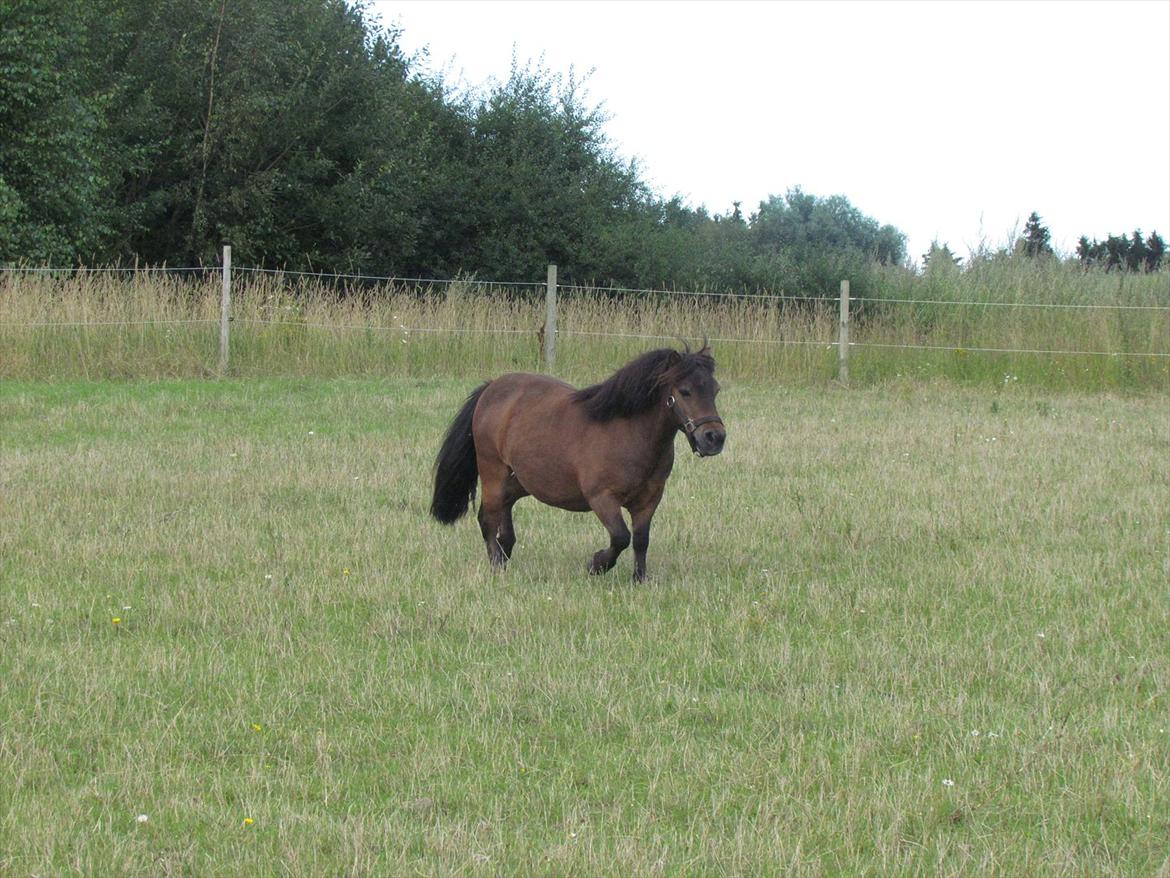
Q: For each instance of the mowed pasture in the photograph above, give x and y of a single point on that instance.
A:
(912, 629)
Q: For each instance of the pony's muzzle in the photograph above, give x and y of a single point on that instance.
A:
(709, 440)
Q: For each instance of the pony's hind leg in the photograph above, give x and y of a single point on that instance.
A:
(490, 518)
(506, 533)
(607, 508)
(492, 474)
(495, 512)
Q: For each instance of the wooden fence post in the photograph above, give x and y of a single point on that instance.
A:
(843, 336)
(225, 312)
(550, 320)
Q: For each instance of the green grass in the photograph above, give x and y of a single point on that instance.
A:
(836, 605)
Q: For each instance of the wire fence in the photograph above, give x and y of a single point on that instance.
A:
(570, 290)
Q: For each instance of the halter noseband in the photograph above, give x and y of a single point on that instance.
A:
(690, 425)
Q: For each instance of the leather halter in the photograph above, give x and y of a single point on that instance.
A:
(690, 425)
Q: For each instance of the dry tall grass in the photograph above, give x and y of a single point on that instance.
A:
(99, 325)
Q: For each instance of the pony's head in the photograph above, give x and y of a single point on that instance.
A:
(681, 381)
(690, 389)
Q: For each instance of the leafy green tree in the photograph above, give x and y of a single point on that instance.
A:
(282, 127)
(544, 183)
(659, 243)
(54, 170)
(807, 244)
(802, 222)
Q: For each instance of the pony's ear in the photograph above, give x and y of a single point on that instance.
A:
(705, 350)
(676, 357)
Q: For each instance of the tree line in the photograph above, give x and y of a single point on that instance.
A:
(1132, 253)
(300, 132)
(1120, 252)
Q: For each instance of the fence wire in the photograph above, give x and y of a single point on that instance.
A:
(418, 281)
(920, 347)
(87, 323)
(18, 269)
(773, 297)
(382, 327)
(636, 335)
(976, 304)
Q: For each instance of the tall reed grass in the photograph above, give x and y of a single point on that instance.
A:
(113, 325)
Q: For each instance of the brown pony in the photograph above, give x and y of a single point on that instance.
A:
(602, 448)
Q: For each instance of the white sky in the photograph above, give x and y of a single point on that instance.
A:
(949, 120)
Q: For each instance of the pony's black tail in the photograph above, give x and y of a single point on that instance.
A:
(455, 469)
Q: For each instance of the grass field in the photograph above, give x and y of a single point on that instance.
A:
(919, 629)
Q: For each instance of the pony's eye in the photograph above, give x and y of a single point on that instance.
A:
(684, 392)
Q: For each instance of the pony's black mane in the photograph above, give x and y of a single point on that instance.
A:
(633, 388)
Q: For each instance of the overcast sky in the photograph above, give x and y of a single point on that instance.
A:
(949, 120)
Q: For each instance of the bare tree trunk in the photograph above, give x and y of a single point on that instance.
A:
(205, 152)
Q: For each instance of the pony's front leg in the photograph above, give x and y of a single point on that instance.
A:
(641, 517)
(607, 508)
